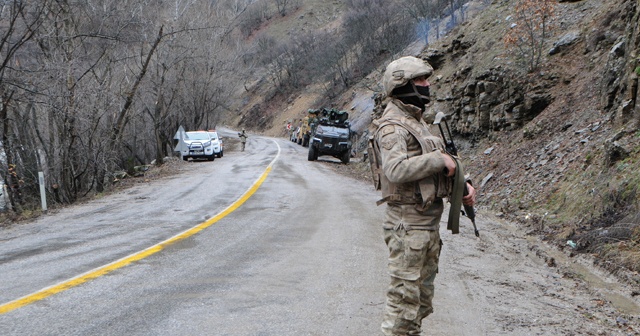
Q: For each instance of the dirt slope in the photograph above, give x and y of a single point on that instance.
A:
(567, 173)
(566, 169)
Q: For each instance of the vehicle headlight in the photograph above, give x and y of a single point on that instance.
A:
(207, 144)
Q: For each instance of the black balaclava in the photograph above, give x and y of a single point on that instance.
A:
(412, 94)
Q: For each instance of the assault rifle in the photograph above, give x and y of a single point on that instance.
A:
(450, 147)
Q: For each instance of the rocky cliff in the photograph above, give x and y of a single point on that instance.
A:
(556, 148)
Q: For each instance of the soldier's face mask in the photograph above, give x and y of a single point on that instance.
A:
(412, 94)
(424, 92)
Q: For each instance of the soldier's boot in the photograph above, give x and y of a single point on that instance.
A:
(400, 327)
(422, 313)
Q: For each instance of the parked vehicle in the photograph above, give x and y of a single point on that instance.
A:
(198, 145)
(331, 137)
(218, 149)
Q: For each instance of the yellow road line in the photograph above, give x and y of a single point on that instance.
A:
(100, 271)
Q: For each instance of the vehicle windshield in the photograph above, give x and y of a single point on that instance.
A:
(197, 136)
(333, 129)
(214, 135)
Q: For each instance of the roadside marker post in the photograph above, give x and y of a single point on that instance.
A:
(43, 195)
(180, 134)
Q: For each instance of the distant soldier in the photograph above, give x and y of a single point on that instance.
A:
(243, 138)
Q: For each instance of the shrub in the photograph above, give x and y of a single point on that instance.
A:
(532, 25)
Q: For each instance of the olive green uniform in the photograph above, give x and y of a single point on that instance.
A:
(413, 186)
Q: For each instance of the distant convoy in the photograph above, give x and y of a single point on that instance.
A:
(326, 132)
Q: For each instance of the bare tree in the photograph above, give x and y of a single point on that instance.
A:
(91, 88)
(532, 26)
(20, 24)
(94, 86)
(422, 12)
(281, 5)
(376, 29)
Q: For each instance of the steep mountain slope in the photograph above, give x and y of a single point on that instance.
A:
(557, 148)
(255, 97)
(554, 148)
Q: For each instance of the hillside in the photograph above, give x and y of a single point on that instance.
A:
(255, 95)
(557, 153)
(555, 149)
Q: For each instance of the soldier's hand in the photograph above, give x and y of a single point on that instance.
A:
(470, 199)
(449, 165)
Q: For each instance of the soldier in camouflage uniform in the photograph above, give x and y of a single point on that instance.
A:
(243, 139)
(414, 181)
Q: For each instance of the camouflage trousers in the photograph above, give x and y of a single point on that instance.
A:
(413, 264)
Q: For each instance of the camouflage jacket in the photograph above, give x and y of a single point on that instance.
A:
(413, 182)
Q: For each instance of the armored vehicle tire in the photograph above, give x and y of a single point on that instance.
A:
(313, 154)
(211, 157)
(345, 157)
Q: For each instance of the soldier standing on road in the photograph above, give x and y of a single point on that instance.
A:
(414, 180)
(243, 139)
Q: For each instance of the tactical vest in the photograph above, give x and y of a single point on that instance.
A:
(426, 190)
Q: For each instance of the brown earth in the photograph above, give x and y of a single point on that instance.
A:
(552, 174)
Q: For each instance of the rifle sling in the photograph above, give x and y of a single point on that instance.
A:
(453, 222)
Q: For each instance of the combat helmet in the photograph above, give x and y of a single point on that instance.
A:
(400, 71)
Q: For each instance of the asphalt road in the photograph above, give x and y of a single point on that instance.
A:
(263, 242)
(301, 256)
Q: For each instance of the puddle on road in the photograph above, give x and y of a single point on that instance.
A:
(610, 291)
(622, 303)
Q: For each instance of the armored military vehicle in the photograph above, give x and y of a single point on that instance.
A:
(332, 136)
